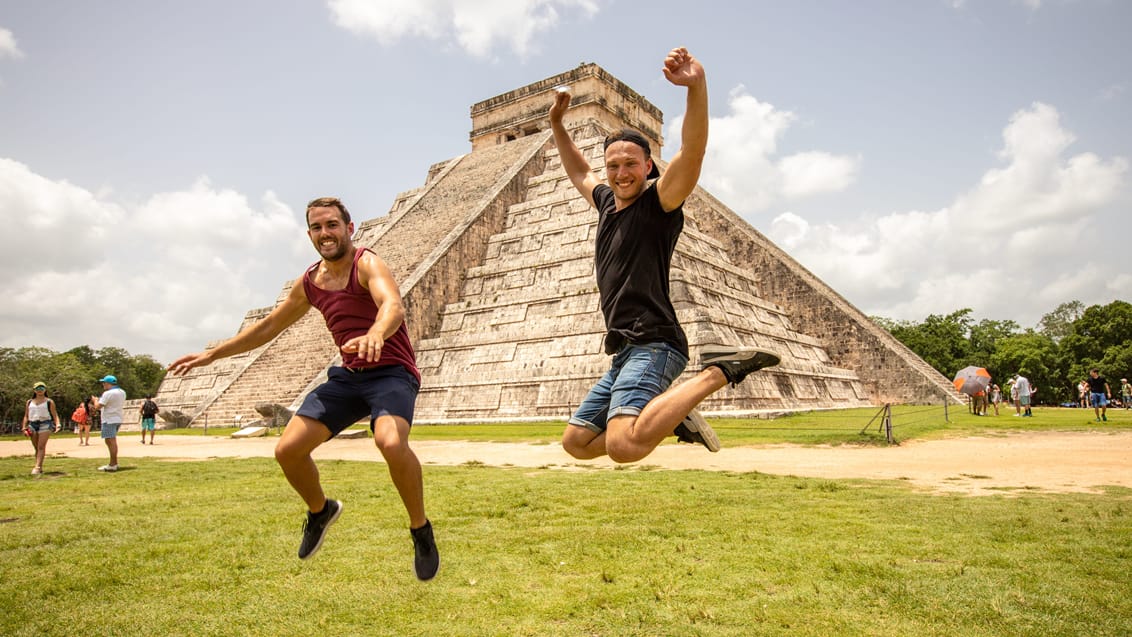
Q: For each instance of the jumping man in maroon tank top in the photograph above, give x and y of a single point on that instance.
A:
(378, 378)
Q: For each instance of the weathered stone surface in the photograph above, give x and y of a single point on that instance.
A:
(494, 255)
(175, 419)
(274, 414)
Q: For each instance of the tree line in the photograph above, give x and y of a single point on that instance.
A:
(1055, 356)
(70, 376)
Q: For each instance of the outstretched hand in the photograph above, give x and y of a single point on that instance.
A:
(367, 347)
(682, 69)
(189, 361)
(560, 106)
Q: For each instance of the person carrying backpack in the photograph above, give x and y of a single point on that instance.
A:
(148, 418)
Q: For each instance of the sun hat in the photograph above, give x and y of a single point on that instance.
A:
(113, 380)
(39, 384)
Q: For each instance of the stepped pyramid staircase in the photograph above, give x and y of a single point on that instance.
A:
(525, 339)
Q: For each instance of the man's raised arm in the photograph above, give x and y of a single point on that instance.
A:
(573, 161)
(683, 172)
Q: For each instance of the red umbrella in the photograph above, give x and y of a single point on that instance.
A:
(972, 380)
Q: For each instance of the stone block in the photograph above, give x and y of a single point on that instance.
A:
(255, 431)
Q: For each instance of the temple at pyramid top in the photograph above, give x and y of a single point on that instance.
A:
(595, 95)
(494, 254)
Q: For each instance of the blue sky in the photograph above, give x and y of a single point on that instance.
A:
(921, 156)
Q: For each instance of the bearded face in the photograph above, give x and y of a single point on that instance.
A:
(329, 234)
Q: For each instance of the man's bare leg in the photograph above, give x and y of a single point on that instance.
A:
(582, 443)
(391, 435)
(631, 438)
(639, 435)
(293, 453)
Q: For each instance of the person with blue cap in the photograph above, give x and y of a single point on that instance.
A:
(111, 403)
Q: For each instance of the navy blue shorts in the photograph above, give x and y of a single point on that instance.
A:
(347, 397)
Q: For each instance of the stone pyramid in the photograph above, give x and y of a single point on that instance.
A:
(494, 254)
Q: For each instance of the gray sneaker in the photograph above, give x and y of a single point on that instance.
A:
(695, 430)
(314, 529)
(737, 362)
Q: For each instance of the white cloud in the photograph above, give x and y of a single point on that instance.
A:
(1020, 242)
(741, 167)
(478, 26)
(166, 275)
(8, 46)
(811, 173)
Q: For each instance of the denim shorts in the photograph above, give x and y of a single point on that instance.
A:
(41, 426)
(638, 374)
(110, 429)
(1098, 399)
(346, 397)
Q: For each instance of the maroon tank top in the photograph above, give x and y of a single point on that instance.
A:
(351, 312)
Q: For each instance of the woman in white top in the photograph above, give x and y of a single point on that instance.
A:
(40, 421)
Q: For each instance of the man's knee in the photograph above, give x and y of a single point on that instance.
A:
(621, 450)
(284, 451)
(620, 444)
(391, 434)
(575, 449)
(576, 441)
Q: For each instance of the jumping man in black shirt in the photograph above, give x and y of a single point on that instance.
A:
(632, 409)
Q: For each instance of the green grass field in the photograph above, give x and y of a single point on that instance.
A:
(208, 548)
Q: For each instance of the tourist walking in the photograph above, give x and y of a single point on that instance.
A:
(995, 397)
(81, 417)
(1021, 392)
(40, 421)
(1099, 394)
(148, 411)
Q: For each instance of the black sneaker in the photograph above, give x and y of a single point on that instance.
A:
(737, 362)
(426, 559)
(695, 430)
(314, 529)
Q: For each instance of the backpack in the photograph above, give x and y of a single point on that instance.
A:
(149, 409)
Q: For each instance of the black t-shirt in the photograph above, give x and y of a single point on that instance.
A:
(633, 253)
(1096, 385)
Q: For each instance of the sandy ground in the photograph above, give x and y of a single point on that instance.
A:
(1052, 462)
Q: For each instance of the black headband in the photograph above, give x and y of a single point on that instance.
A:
(632, 136)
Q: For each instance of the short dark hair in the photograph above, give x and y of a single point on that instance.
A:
(329, 202)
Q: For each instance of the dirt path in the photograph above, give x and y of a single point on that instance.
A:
(1054, 462)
